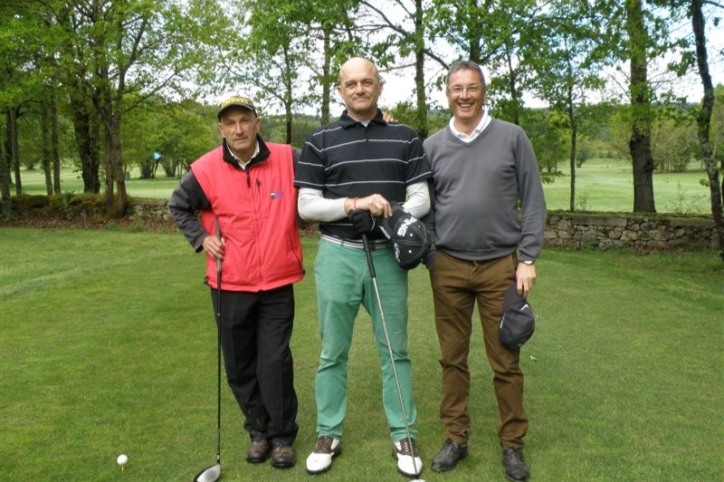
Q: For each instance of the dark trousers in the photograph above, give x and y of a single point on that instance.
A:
(255, 333)
(457, 285)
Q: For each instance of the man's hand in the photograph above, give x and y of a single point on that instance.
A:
(525, 276)
(214, 246)
(362, 221)
(374, 203)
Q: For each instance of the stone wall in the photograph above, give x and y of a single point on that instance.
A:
(646, 232)
(573, 230)
(150, 209)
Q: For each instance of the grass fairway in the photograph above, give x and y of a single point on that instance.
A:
(107, 346)
(601, 185)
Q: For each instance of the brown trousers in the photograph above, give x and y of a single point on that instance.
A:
(456, 286)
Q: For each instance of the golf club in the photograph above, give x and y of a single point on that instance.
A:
(213, 473)
(373, 275)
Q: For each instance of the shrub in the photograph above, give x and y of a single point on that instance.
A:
(27, 204)
(73, 206)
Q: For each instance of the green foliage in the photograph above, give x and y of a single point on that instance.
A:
(273, 129)
(548, 132)
(28, 203)
(72, 206)
(180, 132)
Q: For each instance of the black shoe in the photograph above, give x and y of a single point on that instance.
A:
(259, 450)
(448, 456)
(515, 468)
(283, 456)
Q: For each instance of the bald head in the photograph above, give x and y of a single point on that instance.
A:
(357, 64)
(360, 88)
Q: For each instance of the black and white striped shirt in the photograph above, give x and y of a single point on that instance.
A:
(348, 159)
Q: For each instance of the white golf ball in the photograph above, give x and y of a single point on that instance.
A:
(122, 459)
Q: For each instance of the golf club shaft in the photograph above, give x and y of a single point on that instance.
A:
(218, 350)
(373, 275)
(218, 361)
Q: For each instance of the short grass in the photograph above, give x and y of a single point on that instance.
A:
(107, 346)
(607, 185)
(601, 185)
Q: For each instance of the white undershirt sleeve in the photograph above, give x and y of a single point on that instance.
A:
(418, 199)
(313, 206)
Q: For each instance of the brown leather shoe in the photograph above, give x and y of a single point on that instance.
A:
(258, 451)
(283, 456)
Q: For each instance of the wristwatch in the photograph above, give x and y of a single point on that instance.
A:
(528, 262)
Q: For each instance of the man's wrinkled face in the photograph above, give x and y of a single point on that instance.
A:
(239, 127)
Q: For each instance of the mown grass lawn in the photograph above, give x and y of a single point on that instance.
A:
(601, 185)
(107, 346)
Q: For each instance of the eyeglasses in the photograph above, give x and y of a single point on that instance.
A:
(459, 89)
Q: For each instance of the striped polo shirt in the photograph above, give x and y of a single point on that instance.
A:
(348, 159)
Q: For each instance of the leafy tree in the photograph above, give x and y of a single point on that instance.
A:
(408, 40)
(549, 133)
(279, 55)
(493, 34)
(179, 131)
(132, 50)
(640, 91)
(18, 78)
(673, 142)
(704, 119)
(638, 34)
(567, 70)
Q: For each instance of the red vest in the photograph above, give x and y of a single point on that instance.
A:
(256, 210)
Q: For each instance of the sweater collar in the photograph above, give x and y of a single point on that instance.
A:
(484, 122)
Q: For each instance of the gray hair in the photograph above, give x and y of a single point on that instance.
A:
(465, 65)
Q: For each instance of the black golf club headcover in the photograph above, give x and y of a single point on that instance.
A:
(409, 236)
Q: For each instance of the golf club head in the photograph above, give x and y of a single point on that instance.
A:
(211, 474)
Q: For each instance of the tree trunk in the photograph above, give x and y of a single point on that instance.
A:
(704, 121)
(5, 178)
(327, 81)
(640, 142)
(13, 147)
(86, 138)
(46, 160)
(288, 115)
(513, 87)
(574, 146)
(421, 117)
(54, 141)
(115, 175)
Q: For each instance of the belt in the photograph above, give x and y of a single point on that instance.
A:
(353, 243)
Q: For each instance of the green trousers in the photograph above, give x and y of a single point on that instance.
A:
(343, 284)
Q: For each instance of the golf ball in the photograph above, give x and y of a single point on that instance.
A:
(122, 459)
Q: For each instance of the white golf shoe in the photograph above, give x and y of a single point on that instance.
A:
(326, 449)
(409, 462)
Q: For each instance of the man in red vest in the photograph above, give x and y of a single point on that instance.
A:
(245, 193)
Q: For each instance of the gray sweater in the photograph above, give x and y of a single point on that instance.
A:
(476, 194)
